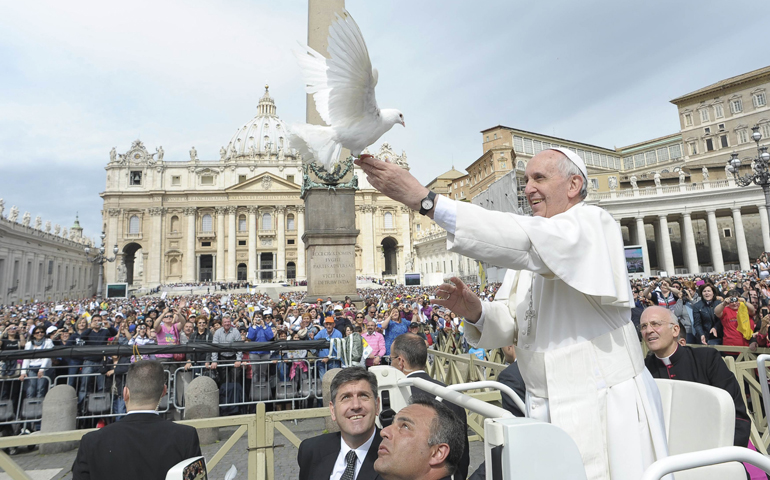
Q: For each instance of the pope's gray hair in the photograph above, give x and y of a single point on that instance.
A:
(567, 168)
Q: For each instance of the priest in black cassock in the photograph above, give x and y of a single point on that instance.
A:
(669, 359)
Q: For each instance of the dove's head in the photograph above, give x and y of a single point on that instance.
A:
(391, 116)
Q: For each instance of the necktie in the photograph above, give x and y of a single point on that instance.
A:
(350, 470)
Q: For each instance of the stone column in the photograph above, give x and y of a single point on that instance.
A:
(152, 268)
(765, 227)
(716, 246)
(252, 269)
(301, 269)
(641, 239)
(219, 275)
(367, 239)
(740, 239)
(665, 238)
(406, 238)
(110, 269)
(688, 245)
(280, 235)
(231, 243)
(190, 266)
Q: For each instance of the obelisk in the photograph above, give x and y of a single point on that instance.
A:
(330, 214)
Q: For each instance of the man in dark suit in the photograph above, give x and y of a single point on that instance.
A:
(349, 454)
(409, 354)
(141, 445)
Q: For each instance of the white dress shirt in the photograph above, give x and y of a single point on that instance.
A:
(341, 464)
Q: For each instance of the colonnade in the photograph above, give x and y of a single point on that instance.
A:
(663, 241)
(226, 257)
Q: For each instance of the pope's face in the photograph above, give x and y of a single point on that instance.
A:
(547, 190)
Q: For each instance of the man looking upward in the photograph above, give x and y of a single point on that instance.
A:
(569, 294)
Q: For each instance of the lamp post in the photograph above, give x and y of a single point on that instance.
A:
(760, 166)
(100, 259)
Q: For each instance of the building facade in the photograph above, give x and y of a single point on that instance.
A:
(239, 217)
(42, 263)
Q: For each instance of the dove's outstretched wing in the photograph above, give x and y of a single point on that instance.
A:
(343, 85)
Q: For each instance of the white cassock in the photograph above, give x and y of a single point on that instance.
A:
(579, 353)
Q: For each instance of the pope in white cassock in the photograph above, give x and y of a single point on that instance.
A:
(568, 292)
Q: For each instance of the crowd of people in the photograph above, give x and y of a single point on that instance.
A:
(716, 309)
(221, 317)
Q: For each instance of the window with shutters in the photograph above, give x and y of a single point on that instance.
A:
(736, 105)
(709, 145)
(704, 115)
(207, 224)
(743, 135)
(267, 221)
(133, 225)
(765, 130)
(759, 99)
(693, 148)
(719, 111)
(388, 218)
(687, 119)
(242, 223)
(723, 141)
(290, 222)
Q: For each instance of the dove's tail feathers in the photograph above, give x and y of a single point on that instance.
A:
(315, 143)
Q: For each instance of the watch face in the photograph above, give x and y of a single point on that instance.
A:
(427, 204)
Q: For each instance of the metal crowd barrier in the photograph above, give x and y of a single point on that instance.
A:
(16, 406)
(263, 381)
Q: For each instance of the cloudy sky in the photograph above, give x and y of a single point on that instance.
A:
(77, 77)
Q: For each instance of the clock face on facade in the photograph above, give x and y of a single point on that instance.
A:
(137, 156)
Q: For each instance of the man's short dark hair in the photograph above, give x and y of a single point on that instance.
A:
(352, 374)
(411, 347)
(145, 381)
(444, 428)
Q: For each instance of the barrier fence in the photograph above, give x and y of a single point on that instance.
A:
(261, 426)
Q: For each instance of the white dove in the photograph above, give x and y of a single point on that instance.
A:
(343, 89)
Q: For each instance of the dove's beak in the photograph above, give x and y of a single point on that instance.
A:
(403, 123)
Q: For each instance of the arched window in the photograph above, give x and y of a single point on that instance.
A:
(133, 225)
(242, 223)
(267, 222)
(290, 222)
(207, 225)
(388, 217)
(174, 224)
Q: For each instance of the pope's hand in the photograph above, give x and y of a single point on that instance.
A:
(459, 299)
(394, 181)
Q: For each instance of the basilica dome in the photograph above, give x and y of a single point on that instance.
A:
(264, 135)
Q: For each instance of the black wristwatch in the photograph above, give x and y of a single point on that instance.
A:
(426, 204)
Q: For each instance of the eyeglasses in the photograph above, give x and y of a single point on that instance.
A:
(653, 325)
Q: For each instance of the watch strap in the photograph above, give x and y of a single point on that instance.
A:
(432, 197)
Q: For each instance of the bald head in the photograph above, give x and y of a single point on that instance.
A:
(660, 330)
